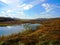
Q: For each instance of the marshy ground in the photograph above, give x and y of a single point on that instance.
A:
(46, 34)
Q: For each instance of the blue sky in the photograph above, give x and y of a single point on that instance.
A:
(30, 9)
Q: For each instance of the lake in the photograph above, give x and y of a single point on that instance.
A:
(7, 30)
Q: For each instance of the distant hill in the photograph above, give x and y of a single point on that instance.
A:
(4, 19)
(8, 20)
(44, 20)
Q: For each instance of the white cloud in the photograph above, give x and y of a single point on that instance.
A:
(10, 1)
(8, 11)
(27, 7)
(19, 4)
(49, 10)
(21, 13)
(5, 1)
(18, 7)
(2, 12)
(55, 6)
(47, 7)
(37, 2)
(31, 5)
(12, 14)
(46, 16)
(17, 14)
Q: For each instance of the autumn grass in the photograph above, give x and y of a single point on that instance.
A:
(47, 34)
(5, 24)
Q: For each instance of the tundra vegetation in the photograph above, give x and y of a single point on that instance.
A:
(46, 34)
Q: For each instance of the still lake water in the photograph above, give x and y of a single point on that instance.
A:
(7, 30)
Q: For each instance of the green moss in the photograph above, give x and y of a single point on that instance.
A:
(1, 43)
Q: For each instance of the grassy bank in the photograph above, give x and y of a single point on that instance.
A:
(47, 34)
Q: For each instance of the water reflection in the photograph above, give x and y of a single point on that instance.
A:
(17, 28)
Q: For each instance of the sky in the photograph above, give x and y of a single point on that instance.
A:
(30, 9)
